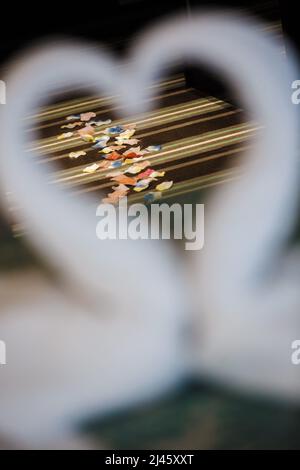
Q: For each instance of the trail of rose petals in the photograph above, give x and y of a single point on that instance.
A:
(140, 176)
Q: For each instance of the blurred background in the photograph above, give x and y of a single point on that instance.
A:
(201, 132)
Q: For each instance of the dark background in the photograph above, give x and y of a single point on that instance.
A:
(112, 22)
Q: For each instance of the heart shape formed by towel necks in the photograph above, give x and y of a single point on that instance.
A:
(266, 192)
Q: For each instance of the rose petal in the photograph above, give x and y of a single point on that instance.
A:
(123, 179)
(113, 156)
(153, 148)
(78, 154)
(91, 168)
(87, 116)
(72, 125)
(65, 135)
(164, 186)
(87, 130)
(73, 117)
(146, 174)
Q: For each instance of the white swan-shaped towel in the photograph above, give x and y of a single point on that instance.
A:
(117, 347)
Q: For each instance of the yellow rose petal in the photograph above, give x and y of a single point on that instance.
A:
(158, 174)
(164, 186)
(66, 135)
(78, 154)
(106, 150)
(91, 168)
(138, 189)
